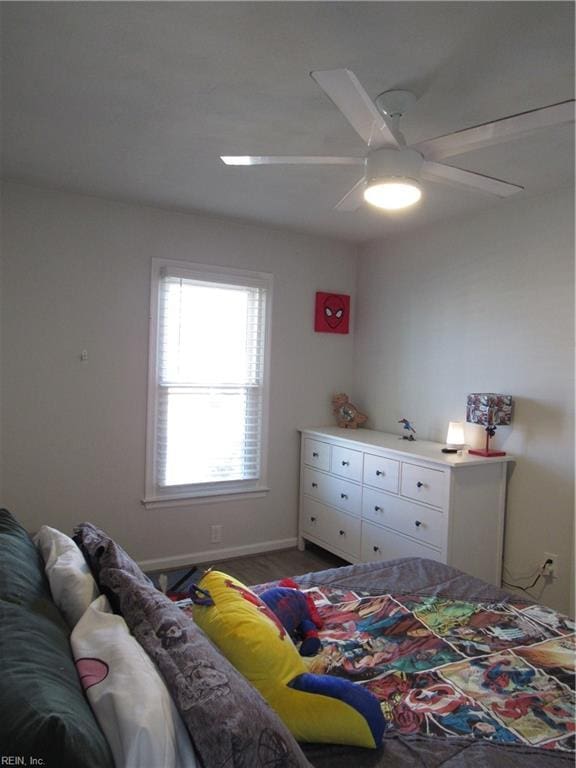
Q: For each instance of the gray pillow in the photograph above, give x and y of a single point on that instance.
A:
(229, 722)
(100, 552)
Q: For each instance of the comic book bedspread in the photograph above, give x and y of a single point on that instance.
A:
(496, 671)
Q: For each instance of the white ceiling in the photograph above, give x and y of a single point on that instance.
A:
(137, 100)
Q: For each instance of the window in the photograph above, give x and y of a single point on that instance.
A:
(207, 405)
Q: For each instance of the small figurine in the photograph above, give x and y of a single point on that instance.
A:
(347, 415)
(409, 428)
(297, 612)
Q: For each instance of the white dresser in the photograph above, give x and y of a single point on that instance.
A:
(367, 495)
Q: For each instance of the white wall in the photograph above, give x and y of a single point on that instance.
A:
(484, 303)
(77, 276)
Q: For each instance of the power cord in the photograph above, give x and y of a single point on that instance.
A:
(548, 561)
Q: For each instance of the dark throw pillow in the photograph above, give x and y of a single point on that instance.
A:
(43, 711)
(22, 578)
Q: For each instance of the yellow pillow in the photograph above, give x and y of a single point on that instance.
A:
(316, 708)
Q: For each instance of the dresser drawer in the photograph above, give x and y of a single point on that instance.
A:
(336, 529)
(343, 532)
(315, 484)
(346, 463)
(346, 496)
(317, 454)
(423, 484)
(382, 544)
(331, 490)
(422, 523)
(313, 517)
(382, 473)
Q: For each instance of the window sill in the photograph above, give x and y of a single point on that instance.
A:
(202, 497)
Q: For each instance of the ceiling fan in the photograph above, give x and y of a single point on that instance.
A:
(391, 170)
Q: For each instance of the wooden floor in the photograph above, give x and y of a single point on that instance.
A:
(258, 569)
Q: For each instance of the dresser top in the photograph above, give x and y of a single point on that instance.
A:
(417, 449)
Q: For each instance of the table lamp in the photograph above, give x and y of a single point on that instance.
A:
(491, 411)
(455, 437)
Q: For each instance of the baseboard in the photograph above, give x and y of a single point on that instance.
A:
(214, 555)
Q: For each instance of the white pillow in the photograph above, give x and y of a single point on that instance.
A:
(127, 694)
(71, 583)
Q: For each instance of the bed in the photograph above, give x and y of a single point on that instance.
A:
(465, 673)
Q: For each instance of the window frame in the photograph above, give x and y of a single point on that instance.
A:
(154, 495)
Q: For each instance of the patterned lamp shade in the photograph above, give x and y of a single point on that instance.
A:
(490, 411)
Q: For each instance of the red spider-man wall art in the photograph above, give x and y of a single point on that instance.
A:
(332, 313)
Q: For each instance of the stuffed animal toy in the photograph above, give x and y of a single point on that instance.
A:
(297, 613)
(316, 708)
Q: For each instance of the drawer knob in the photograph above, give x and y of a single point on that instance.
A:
(345, 463)
(312, 519)
(379, 473)
(376, 549)
(315, 454)
(342, 533)
(417, 523)
(314, 485)
(419, 484)
(343, 495)
(378, 509)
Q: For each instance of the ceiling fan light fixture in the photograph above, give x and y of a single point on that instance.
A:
(392, 194)
(391, 168)
(238, 160)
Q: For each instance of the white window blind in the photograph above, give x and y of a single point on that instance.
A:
(210, 380)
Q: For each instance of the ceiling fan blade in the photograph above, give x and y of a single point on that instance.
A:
(353, 199)
(344, 89)
(288, 160)
(497, 131)
(456, 176)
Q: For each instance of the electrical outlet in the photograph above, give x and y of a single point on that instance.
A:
(551, 569)
(215, 534)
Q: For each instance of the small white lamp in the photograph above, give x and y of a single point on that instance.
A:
(455, 437)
